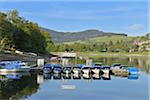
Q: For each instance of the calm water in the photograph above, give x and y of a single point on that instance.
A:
(49, 87)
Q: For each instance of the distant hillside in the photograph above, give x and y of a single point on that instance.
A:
(59, 37)
(106, 39)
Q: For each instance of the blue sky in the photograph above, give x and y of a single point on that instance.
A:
(63, 15)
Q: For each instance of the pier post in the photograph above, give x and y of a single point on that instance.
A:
(65, 62)
(40, 62)
(40, 79)
(89, 62)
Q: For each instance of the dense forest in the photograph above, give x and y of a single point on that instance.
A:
(17, 33)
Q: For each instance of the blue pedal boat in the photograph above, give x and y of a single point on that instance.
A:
(48, 68)
(13, 66)
(133, 77)
(57, 69)
(67, 70)
(133, 70)
(77, 69)
(105, 69)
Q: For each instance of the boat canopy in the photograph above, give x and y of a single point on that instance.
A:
(123, 66)
(67, 67)
(116, 64)
(12, 62)
(51, 65)
(76, 67)
(134, 69)
(58, 68)
(12, 66)
(47, 65)
(80, 65)
(97, 67)
(97, 64)
(86, 68)
(105, 67)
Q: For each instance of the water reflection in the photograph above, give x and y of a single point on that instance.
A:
(142, 62)
(106, 77)
(133, 77)
(14, 88)
(96, 77)
(28, 84)
(23, 85)
(76, 76)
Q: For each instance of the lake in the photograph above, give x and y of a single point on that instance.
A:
(29, 86)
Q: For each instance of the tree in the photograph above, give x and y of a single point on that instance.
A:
(48, 41)
(110, 46)
(6, 32)
(110, 43)
(22, 34)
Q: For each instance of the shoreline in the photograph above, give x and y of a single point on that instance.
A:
(96, 54)
(30, 58)
(22, 57)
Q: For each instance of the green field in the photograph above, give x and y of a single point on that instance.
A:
(105, 39)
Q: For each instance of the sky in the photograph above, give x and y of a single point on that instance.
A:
(121, 16)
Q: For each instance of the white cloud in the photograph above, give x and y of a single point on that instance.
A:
(135, 27)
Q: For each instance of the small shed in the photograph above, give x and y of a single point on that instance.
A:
(67, 55)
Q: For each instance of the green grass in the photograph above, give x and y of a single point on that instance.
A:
(114, 54)
(105, 39)
(108, 54)
(110, 38)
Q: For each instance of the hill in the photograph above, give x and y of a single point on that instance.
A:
(59, 37)
(104, 39)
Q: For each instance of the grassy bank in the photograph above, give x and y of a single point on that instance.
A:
(108, 54)
(96, 54)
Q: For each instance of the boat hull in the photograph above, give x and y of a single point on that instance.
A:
(96, 76)
(106, 77)
(86, 76)
(95, 71)
(47, 70)
(106, 71)
(86, 71)
(67, 72)
(56, 72)
(76, 76)
(14, 70)
(75, 71)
